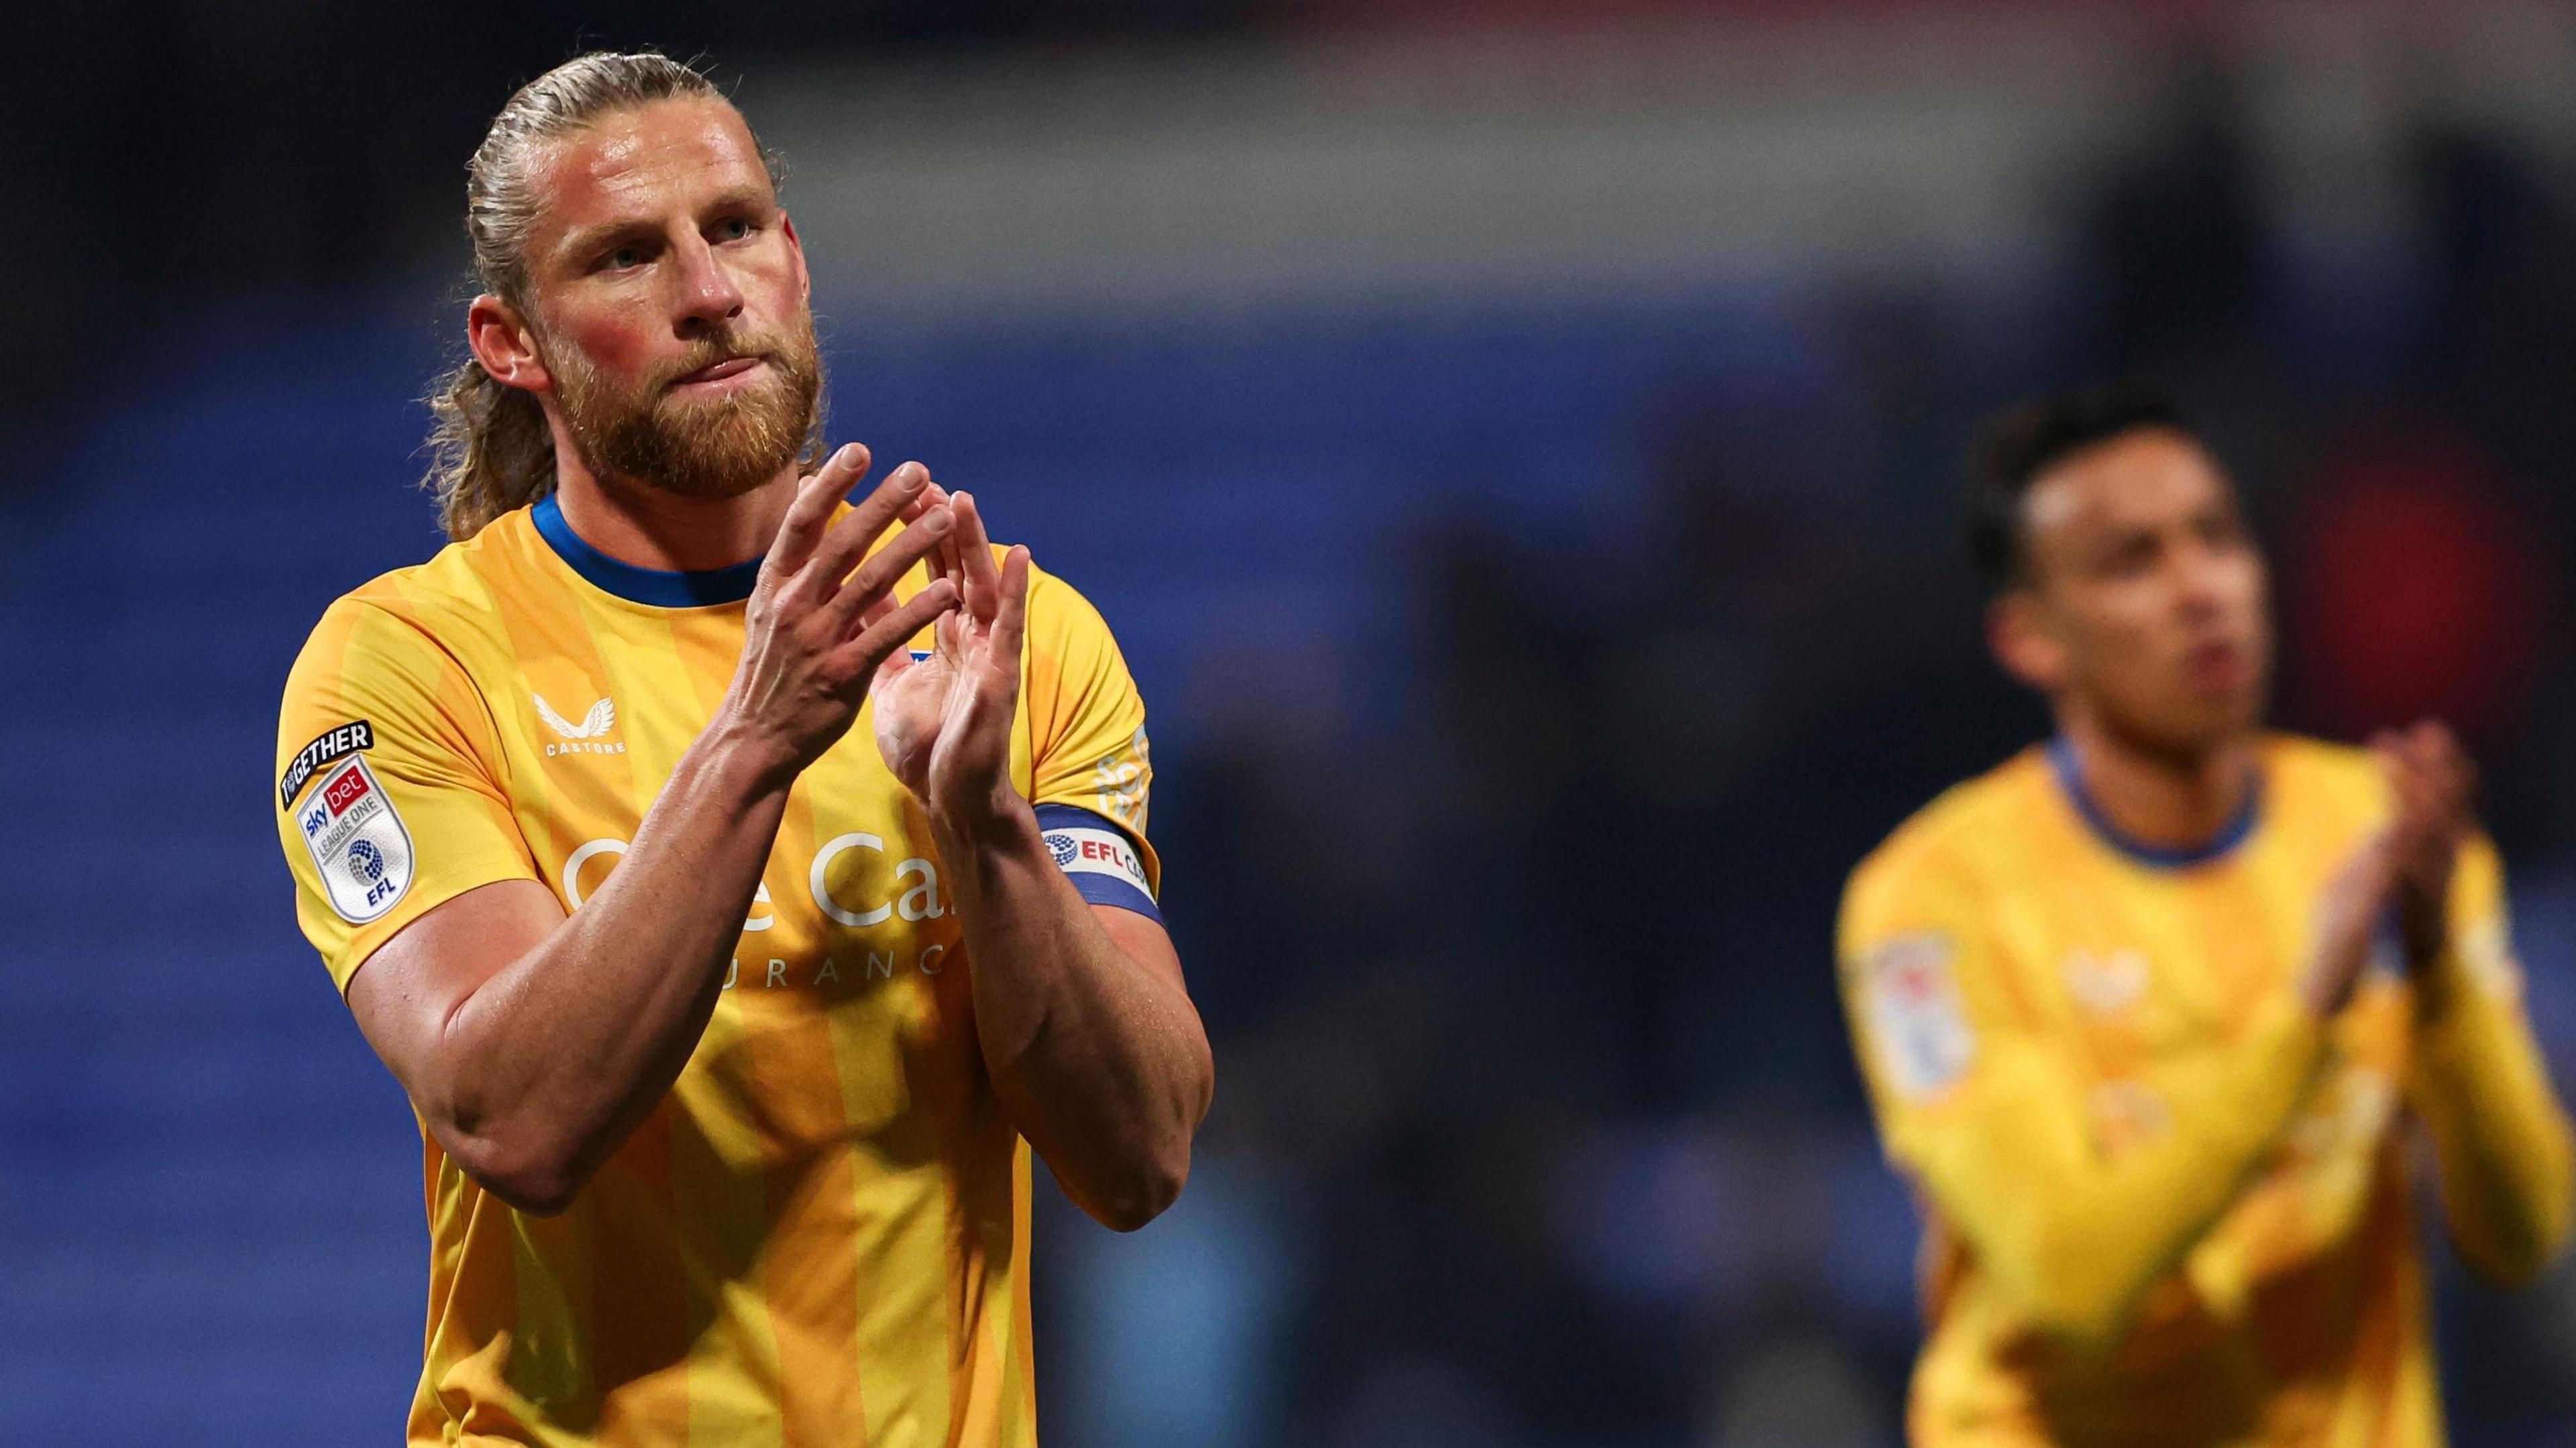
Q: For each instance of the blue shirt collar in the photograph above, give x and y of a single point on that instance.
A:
(2070, 778)
(656, 587)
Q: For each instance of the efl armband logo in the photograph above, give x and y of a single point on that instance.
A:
(1099, 859)
(358, 843)
(329, 745)
(1096, 852)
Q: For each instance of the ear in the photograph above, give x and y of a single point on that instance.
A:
(2018, 631)
(796, 254)
(504, 344)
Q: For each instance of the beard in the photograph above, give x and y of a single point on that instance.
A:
(711, 448)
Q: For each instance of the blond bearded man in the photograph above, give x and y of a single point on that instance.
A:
(739, 881)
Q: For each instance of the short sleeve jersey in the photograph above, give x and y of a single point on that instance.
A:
(822, 1233)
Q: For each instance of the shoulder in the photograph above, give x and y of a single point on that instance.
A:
(456, 591)
(1951, 842)
(2316, 763)
(1066, 631)
(2321, 782)
(406, 635)
(1054, 603)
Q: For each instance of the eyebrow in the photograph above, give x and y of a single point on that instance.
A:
(592, 238)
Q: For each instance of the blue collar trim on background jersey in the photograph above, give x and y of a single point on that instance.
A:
(661, 588)
(2070, 777)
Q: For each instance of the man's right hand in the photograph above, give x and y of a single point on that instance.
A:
(820, 621)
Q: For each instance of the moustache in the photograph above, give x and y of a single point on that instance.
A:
(709, 353)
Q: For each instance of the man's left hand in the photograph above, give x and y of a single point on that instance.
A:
(2435, 785)
(943, 723)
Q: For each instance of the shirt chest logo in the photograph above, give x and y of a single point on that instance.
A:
(854, 881)
(2107, 983)
(584, 737)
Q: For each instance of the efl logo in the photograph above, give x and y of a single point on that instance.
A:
(1108, 853)
(343, 792)
(1101, 862)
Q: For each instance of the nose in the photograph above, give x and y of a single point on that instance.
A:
(708, 299)
(2209, 580)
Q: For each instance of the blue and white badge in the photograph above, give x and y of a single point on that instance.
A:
(1098, 857)
(358, 841)
(1916, 1015)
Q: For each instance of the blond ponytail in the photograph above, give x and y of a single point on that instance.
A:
(490, 451)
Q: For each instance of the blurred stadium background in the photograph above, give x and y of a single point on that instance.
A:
(1514, 443)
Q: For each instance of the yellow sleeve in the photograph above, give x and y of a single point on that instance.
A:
(1087, 742)
(386, 801)
(1978, 1103)
(2500, 1136)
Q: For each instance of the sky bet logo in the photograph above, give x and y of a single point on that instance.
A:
(343, 792)
(338, 795)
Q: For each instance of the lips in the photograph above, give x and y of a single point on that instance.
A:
(2219, 665)
(718, 371)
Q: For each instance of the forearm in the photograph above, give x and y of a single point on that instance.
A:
(551, 1063)
(2078, 1238)
(1101, 1062)
(2507, 1165)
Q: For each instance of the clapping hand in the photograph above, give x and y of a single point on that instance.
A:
(2405, 867)
(822, 622)
(2435, 786)
(943, 722)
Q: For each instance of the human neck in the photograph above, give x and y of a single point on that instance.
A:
(650, 528)
(2167, 799)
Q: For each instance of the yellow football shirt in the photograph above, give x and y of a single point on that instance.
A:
(821, 1235)
(2164, 1206)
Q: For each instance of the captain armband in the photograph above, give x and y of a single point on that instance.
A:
(1098, 857)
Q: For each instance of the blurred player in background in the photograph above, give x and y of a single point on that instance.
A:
(725, 1021)
(2143, 1011)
